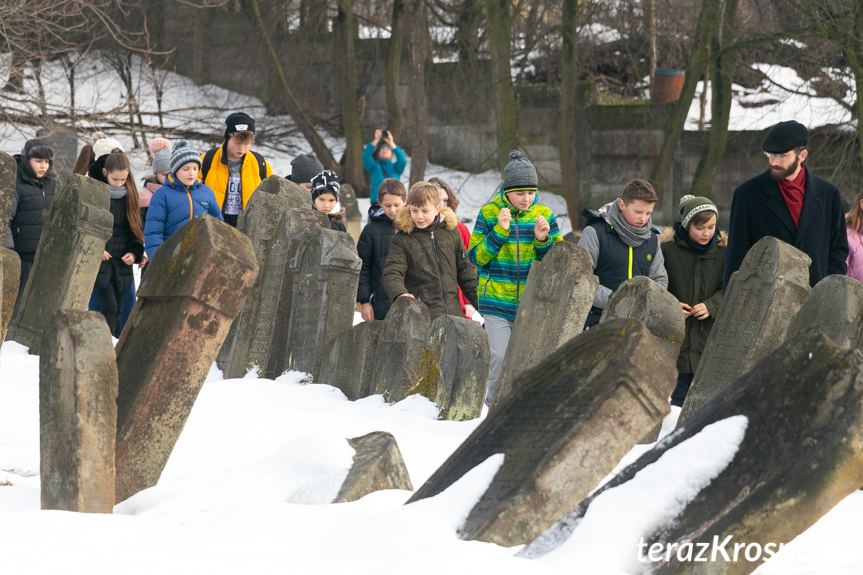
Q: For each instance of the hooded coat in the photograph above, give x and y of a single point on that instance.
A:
(373, 247)
(379, 170)
(430, 264)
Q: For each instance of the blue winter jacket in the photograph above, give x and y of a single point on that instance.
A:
(172, 206)
(379, 171)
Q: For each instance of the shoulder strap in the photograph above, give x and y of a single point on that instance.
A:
(208, 161)
(262, 165)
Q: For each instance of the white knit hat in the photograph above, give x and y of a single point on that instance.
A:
(103, 145)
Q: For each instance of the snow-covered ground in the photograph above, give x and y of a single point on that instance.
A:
(248, 487)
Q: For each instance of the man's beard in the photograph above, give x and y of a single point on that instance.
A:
(782, 174)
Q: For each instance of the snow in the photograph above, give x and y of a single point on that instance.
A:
(248, 485)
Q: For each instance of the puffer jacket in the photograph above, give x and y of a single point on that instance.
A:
(503, 257)
(694, 278)
(430, 264)
(250, 174)
(32, 196)
(373, 247)
(172, 206)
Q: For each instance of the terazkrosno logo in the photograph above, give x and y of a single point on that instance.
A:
(704, 551)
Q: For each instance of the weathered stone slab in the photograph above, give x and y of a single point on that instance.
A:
(798, 457)
(455, 357)
(353, 217)
(643, 299)
(195, 286)
(400, 348)
(564, 428)
(269, 222)
(378, 465)
(8, 175)
(67, 261)
(557, 297)
(326, 273)
(298, 198)
(760, 300)
(10, 276)
(834, 306)
(77, 413)
(349, 359)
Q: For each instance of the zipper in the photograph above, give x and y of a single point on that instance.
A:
(630, 262)
(191, 211)
(517, 260)
(485, 285)
(440, 273)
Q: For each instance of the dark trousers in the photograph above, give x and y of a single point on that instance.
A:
(684, 381)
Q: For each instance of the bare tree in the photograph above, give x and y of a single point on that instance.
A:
(394, 62)
(353, 173)
(499, 27)
(569, 114)
(417, 103)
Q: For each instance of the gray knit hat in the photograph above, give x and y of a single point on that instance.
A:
(305, 167)
(162, 161)
(519, 174)
(182, 155)
(691, 205)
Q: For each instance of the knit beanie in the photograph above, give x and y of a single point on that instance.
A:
(38, 149)
(161, 150)
(785, 136)
(519, 174)
(103, 145)
(691, 205)
(327, 182)
(304, 168)
(182, 155)
(239, 122)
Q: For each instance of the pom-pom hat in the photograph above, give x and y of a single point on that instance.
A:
(305, 167)
(103, 145)
(691, 205)
(161, 150)
(182, 155)
(519, 174)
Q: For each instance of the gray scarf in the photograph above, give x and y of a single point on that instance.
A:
(117, 193)
(630, 235)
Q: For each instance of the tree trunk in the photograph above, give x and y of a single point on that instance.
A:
(394, 62)
(277, 76)
(354, 173)
(499, 25)
(313, 16)
(570, 106)
(467, 30)
(697, 61)
(417, 104)
(723, 62)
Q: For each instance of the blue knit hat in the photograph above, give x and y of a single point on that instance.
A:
(182, 154)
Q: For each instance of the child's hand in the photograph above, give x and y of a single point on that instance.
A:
(143, 262)
(128, 259)
(469, 310)
(504, 217)
(367, 311)
(541, 228)
(105, 256)
(700, 311)
(687, 310)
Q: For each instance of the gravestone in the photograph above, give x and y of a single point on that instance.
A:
(64, 141)
(268, 221)
(10, 276)
(326, 273)
(400, 348)
(760, 300)
(195, 286)
(77, 413)
(557, 297)
(378, 465)
(78, 224)
(835, 306)
(348, 360)
(563, 429)
(798, 457)
(643, 299)
(353, 217)
(8, 177)
(455, 356)
(297, 198)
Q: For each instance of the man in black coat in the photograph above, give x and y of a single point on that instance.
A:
(790, 203)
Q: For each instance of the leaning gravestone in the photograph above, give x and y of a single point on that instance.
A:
(558, 294)
(267, 220)
(563, 429)
(297, 198)
(348, 360)
(77, 413)
(326, 273)
(400, 347)
(378, 465)
(10, 276)
(835, 306)
(67, 261)
(196, 284)
(799, 455)
(8, 177)
(455, 356)
(643, 299)
(760, 300)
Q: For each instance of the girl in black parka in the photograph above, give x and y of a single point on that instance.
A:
(126, 245)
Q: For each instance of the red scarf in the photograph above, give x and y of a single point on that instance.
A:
(793, 192)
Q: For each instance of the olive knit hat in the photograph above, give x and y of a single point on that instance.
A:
(519, 174)
(692, 205)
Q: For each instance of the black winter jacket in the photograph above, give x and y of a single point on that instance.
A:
(373, 247)
(32, 196)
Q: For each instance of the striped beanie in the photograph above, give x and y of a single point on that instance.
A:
(519, 174)
(182, 154)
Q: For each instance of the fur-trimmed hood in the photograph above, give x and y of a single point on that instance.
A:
(667, 235)
(339, 216)
(404, 223)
